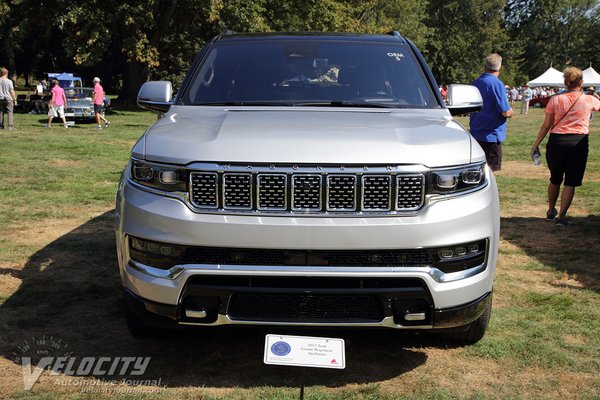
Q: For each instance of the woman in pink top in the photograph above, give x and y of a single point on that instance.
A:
(57, 104)
(567, 120)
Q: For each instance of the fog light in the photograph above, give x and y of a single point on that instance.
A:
(151, 247)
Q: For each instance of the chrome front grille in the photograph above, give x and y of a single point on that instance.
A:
(292, 191)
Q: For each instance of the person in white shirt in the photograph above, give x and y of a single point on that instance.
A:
(8, 100)
(525, 98)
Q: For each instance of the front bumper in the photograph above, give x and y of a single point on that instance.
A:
(173, 317)
(457, 220)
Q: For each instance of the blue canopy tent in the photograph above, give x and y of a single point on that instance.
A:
(65, 79)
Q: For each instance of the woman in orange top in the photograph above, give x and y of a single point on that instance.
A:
(567, 120)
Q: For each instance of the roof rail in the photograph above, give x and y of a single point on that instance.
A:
(228, 32)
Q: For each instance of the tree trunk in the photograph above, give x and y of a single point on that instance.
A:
(135, 75)
(10, 56)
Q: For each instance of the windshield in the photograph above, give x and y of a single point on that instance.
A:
(310, 72)
(79, 93)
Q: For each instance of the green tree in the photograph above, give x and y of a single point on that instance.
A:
(464, 32)
(555, 32)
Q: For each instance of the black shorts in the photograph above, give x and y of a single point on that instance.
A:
(97, 108)
(566, 156)
(493, 154)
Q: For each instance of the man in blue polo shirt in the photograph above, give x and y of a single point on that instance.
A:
(488, 126)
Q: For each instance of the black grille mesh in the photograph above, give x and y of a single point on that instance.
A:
(377, 192)
(305, 307)
(238, 190)
(410, 191)
(336, 258)
(341, 193)
(272, 192)
(307, 192)
(204, 189)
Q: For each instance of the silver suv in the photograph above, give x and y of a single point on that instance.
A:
(308, 180)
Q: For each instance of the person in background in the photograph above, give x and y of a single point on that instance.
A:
(8, 100)
(488, 126)
(98, 101)
(57, 104)
(525, 99)
(512, 96)
(567, 120)
(444, 91)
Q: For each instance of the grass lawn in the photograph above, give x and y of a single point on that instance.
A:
(60, 290)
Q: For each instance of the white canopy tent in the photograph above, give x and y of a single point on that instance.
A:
(552, 77)
(591, 77)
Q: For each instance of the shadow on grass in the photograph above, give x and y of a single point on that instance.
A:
(574, 249)
(71, 291)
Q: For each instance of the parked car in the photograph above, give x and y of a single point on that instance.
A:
(79, 103)
(308, 180)
(539, 102)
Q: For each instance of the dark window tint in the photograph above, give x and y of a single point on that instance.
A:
(310, 72)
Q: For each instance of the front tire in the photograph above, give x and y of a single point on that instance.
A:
(136, 326)
(475, 331)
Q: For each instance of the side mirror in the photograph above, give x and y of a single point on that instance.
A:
(156, 96)
(463, 99)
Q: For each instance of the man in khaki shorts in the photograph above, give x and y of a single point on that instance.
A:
(56, 106)
(8, 100)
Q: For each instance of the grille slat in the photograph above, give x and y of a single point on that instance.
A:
(204, 189)
(341, 192)
(410, 191)
(272, 192)
(377, 192)
(307, 192)
(237, 191)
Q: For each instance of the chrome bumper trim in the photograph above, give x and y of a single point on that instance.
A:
(391, 272)
(387, 322)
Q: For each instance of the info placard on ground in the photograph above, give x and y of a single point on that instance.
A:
(305, 351)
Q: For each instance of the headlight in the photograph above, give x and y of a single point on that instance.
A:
(456, 180)
(158, 176)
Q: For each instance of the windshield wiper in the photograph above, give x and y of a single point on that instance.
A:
(301, 103)
(244, 103)
(345, 104)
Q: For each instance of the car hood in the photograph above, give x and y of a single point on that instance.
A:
(306, 135)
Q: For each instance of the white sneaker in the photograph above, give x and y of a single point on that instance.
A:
(99, 127)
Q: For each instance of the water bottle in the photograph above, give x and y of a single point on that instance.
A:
(537, 157)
